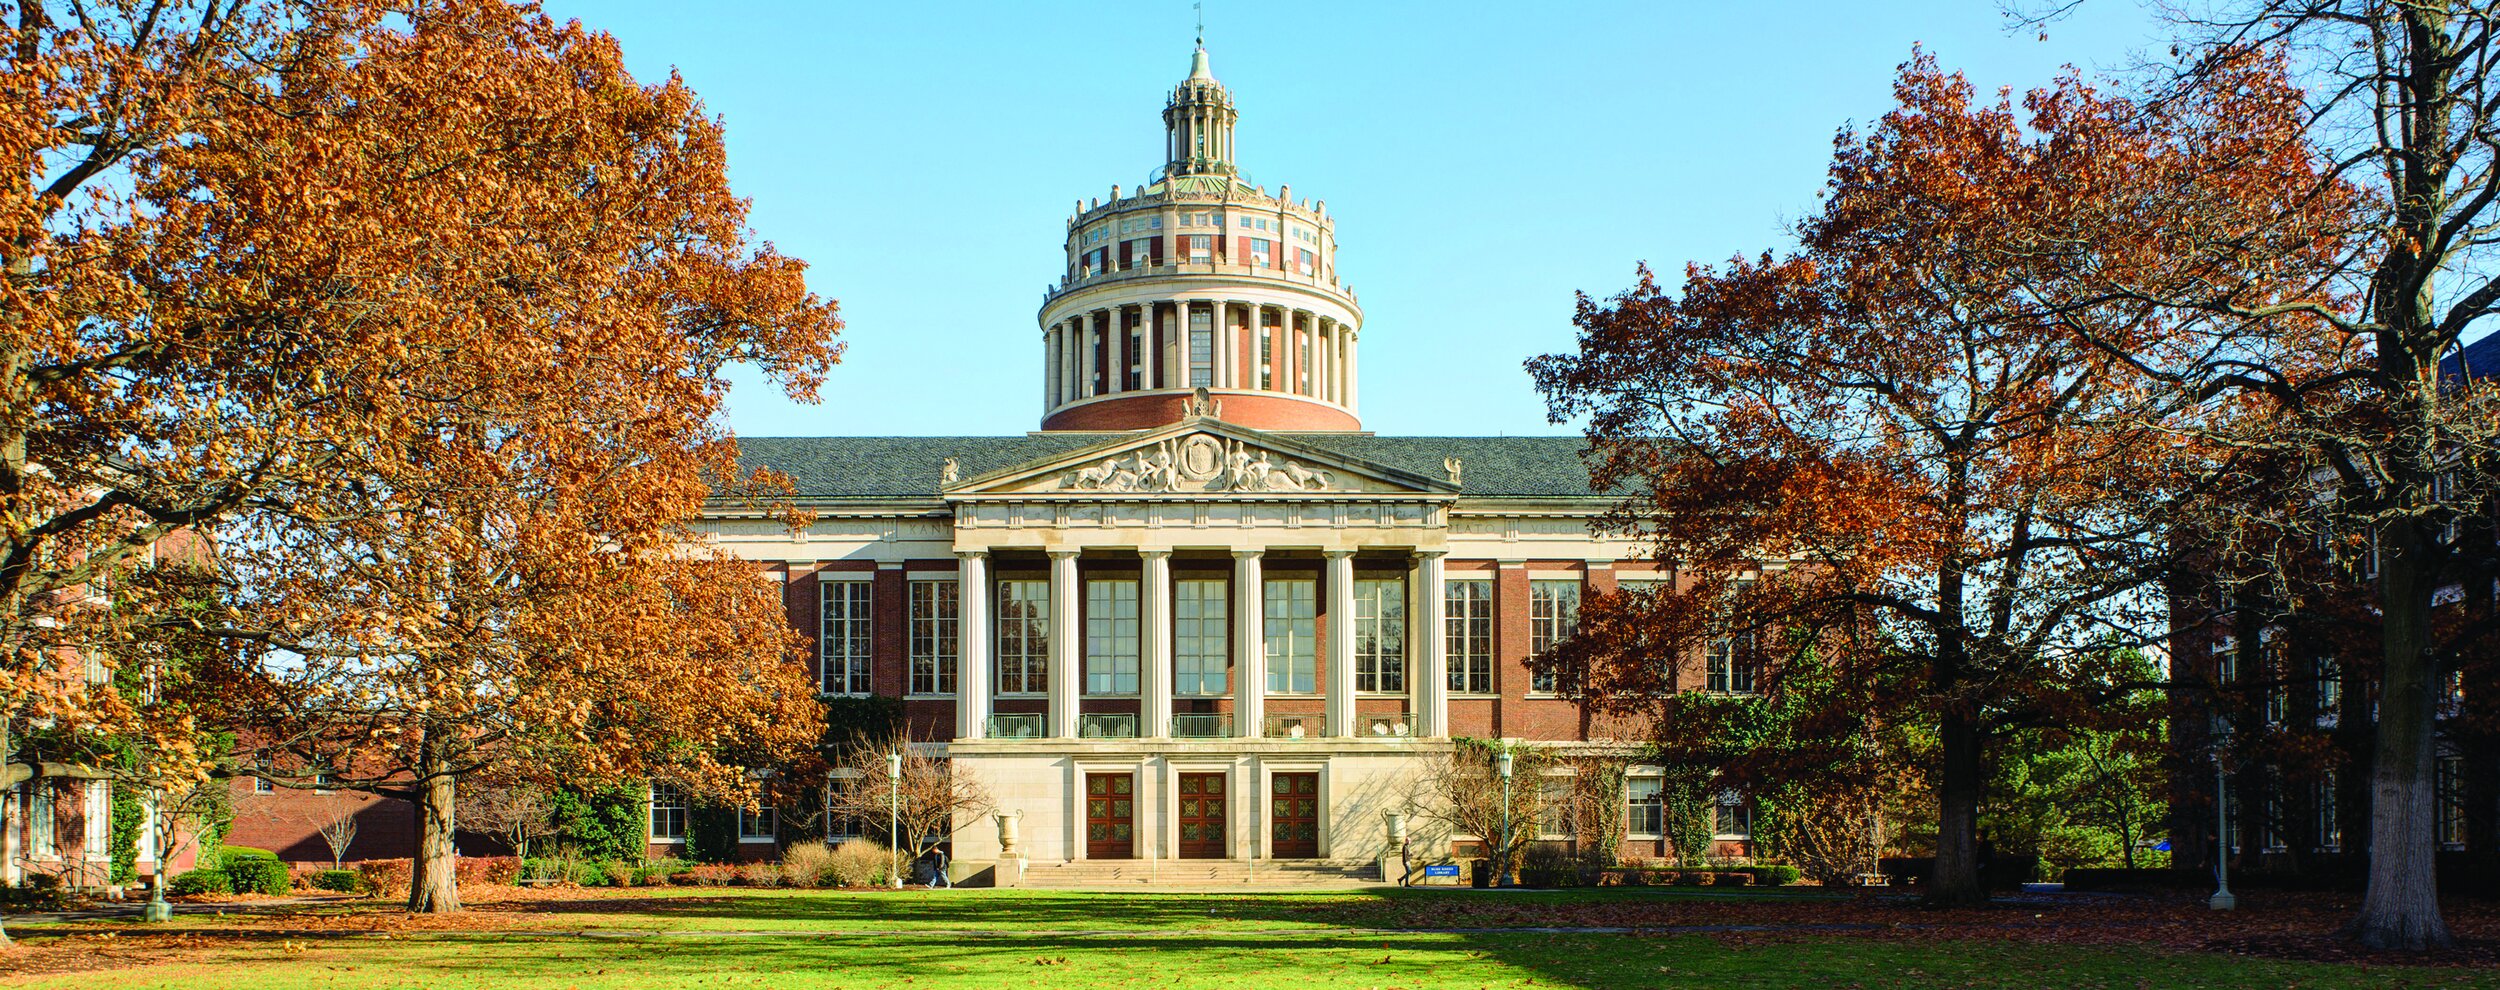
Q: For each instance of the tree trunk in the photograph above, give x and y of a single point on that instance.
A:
(433, 883)
(2400, 908)
(7, 821)
(1955, 882)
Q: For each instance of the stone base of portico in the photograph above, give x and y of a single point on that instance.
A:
(1359, 783)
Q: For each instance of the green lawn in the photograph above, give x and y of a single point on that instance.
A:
(918, 939)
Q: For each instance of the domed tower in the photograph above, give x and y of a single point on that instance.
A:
(1200, 279)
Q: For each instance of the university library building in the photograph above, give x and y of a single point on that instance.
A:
(1200, 614)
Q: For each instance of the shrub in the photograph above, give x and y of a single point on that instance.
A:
(199, 882)
(1777, 875)
(706, 875)
(616, 873)
(656, 871)
(860, 863)
(253, 874)
(343, 881)
(601, 824)
(487, 869)
(1696, 878)
(807, 864)
(387, 877)
(760, 874)
(39, 892)
(1734, 878)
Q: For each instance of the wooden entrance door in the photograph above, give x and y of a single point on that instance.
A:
(1293, 816)
(1110, 816)
(1202, 818)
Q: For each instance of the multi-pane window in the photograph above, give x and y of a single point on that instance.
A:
(1304, 260)
(1201, 348)
(1645, 812)
(1199, 649)
(1553, 612)
(934, 636)
(40, 819)
(1379, 634)
(263, 785)
(1201, 248)
(1267, 357)
(1023, 637)
(838, 828)
(2330, 826)
(1110, 636)
(2330, 677)
(844, 639)
(1470, 636)
(1292, 635)
(1731, 664)
(1734, 818)
(759, 825)
(2448, 797)
(99, 820)
(668, 813)
(1558, 813)
(1261, 249)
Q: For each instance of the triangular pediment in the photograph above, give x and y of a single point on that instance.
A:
(1197, 457)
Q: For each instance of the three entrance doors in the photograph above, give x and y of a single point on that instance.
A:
(1203, 813)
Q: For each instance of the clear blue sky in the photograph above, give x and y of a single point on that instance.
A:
(1482, 160)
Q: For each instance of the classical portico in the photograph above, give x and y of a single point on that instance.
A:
(1154, 568)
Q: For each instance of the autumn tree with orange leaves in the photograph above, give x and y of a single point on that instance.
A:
(1894, 452)
(422, 309)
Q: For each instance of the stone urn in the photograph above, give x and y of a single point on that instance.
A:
(1007, 831)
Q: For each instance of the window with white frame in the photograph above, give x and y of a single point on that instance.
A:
(1469, 635)
(2330, 826)
(1201, 248)
(1267, 355)
(1645, 808)
(839, 829)
(668, 813)
(263, 785)
(1201, 348)
(1380, 634)
(1553, 613)
(2270, 828)
(1292, 635)
(844, 640)
(1023, 637)
(1200, 648)
(1261, 251)
(1733, 818)
(2329, 674)
(1110, 636)
(1731, 665)
(42, 821)
(762, 824)
(99, 820)
(934, 636)
(1557, 813)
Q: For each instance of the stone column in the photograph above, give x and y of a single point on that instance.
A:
(1088, 329)
(1050, 368)
(1227, 355)
(1249, 645)
(972, 648)
(1114, 351)
(1341, 643)
(1353, 368)
(1427, 672)
(1154, 645)
(1067, 648)
(1306, 367)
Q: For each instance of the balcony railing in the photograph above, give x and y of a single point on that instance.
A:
(1197, 725)
(1296, 726)
(1084, 277)
(1025, 726)
(1106, 726)
(1400, 725)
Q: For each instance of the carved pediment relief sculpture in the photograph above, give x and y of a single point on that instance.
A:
(1198, 463)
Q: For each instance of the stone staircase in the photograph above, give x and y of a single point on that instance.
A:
(1199, 873)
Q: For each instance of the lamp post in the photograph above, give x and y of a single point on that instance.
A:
(1502, 765)
(894, 813)
(2222, 899)
(157, 909)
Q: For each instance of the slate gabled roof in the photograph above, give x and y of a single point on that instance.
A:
(2479, 361)
(908, 467)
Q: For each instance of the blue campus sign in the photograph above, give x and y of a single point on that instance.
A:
(1441, 870)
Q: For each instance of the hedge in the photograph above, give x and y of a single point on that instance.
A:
(200, 882)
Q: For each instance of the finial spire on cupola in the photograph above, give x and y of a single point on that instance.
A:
(1198, 120)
